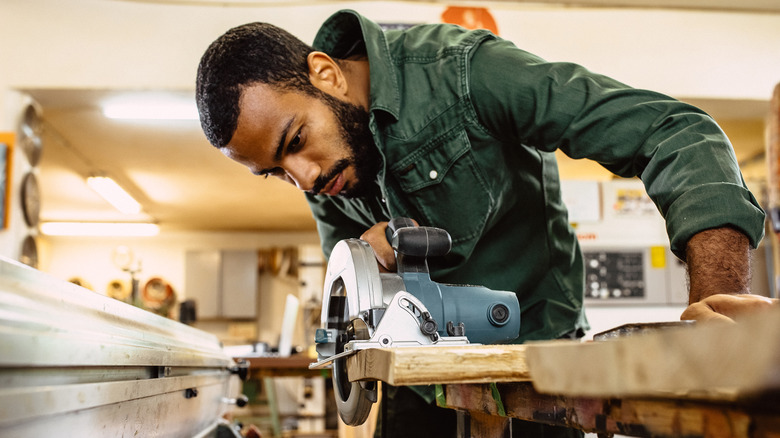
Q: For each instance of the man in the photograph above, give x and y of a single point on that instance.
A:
(457, 129)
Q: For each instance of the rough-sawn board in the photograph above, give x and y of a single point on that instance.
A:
(433, 365)
(704, 361)
(710, 361)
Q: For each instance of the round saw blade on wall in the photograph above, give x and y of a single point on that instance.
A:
(31, 200)
(29, 252)
(30, 128)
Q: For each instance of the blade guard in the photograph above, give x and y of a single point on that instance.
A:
(352, 272)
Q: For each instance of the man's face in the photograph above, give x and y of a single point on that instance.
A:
(322, 145)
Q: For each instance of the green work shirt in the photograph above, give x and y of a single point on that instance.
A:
(467, 124)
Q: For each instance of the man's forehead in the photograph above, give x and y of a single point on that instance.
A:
(259, 116)
(265, 117)
(256, 100)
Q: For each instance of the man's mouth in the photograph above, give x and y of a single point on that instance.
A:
(333, 182)
(336, 185)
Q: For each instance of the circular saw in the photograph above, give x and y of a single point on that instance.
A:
(363, 308)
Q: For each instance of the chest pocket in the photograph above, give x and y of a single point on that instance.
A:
(443, 182)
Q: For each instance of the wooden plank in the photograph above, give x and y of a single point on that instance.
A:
(478, 424)
(631, 417)
(292, 366)
(715, 362)
(710, 361)
(706, 381)
(773, 160)
(773, 181)
(436, 365)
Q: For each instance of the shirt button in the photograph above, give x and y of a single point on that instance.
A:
(433, 174)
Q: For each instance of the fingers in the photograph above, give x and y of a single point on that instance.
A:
(727, 307)
(375, 236)
(702, 312)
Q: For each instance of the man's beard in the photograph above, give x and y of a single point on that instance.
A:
(363, 153)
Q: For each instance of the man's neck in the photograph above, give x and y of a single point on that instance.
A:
(358, 76)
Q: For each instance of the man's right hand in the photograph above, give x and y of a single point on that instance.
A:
(385, 255)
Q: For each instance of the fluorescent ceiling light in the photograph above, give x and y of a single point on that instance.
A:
(104, 229)
(115, 195)
(151, 108)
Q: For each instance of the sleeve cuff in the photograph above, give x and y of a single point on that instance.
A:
(711, 206)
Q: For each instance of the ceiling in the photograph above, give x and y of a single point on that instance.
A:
(720, 5)
(181, 181)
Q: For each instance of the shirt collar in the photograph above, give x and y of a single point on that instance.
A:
(340, 32)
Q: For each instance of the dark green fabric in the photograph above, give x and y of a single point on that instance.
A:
(467, 125)
(487, 118)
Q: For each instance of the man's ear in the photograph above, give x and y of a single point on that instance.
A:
(325, 74)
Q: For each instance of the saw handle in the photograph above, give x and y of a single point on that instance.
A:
(408, 239)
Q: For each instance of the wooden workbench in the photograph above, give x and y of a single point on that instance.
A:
(704, 380)
(291, 366)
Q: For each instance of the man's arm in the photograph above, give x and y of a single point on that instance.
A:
(718, 262)
(719, 276)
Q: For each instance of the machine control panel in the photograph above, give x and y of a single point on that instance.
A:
(632, 275)
(614, 274)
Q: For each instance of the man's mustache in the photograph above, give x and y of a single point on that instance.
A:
(323, 180)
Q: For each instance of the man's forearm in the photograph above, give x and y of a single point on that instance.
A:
(718, 263)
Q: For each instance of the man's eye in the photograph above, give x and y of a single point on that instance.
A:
(295, 143)
(273, 172)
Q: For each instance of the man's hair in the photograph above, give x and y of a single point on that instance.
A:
(255, 53)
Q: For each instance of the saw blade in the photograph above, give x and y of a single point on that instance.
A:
(353, 399)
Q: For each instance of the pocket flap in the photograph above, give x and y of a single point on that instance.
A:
(430, 164)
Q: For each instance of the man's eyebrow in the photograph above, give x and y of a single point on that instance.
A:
(282, 140)
(279, 148)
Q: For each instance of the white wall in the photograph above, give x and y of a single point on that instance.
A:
(126, 44)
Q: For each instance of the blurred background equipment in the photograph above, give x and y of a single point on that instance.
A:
(77, 361)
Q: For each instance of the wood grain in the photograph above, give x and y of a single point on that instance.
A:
(438, 365)
(631, 417)
(714, 362)
(773, 154)
(709, 361)
(705, 380)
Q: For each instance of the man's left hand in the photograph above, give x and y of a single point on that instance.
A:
(727, 307)
(719, 276)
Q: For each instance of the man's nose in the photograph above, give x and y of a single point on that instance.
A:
(301, 172)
